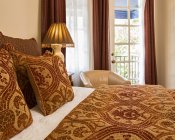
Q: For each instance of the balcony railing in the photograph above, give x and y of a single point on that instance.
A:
(128, 68)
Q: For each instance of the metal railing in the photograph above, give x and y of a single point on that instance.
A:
(128, 68)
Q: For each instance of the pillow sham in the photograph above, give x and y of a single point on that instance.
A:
(14, 112)
(19, 60)
(50, 82)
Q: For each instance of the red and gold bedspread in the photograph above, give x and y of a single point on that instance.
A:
(121, 113)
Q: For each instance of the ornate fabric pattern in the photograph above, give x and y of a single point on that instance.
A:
(19, 60)
(14, 112)
(1, 39)
(172, 92)
(8, 46)
(121, 113)
(50, 82)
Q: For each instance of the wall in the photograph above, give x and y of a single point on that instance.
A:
(20, 18)
(165, 41)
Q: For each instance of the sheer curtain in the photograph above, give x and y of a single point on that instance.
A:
(78, 20)
(142, 49)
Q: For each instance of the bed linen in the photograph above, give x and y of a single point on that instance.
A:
(42, 126)
(121, 113)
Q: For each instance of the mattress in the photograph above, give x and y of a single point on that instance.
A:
(42, 126)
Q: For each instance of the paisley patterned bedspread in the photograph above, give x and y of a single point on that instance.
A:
(121, 113)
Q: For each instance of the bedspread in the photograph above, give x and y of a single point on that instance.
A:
(121, 113)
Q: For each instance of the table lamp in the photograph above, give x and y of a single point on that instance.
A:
(57, 37)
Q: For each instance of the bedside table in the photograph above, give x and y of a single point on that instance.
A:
(70, 77)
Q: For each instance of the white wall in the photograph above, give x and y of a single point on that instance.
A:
(20, 18)
(165, 41)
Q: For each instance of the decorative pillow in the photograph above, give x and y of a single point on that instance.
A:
(1, 38)
(50, 82)
(14, 112)
(27, 46)
(19, 60)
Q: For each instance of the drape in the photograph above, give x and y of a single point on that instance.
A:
(52, 11)
(101, 34)
(150, 57)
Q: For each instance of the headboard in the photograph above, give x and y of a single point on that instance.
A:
(27, 46)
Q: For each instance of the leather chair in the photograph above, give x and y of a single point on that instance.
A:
(95, 78)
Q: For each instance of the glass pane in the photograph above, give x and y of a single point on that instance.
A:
(134, 71)
(134, 17)
(121, 58)
(121, 51)
(121, 3)
(121, 16)
(134, 3)
(135, 35)
(123, 69)
(134, 52)
(121, 34)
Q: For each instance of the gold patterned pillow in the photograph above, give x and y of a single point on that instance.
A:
(14, 112)
(19, 60)
(50, 82)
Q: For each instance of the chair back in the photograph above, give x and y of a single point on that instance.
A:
(96, 78)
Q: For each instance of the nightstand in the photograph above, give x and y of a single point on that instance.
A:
(70, 74)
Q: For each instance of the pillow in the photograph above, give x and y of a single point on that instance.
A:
(27, 46)
(50, 82)
(1, 38)
(14, 113)
(19, 60)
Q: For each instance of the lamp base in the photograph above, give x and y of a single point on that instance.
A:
(57, 50)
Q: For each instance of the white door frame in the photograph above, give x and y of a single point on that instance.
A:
(111, 30)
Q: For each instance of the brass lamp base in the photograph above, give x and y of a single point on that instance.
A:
(57, 50)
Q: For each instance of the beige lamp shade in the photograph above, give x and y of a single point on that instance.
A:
(58, 34)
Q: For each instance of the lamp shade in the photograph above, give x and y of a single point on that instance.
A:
(58, 34)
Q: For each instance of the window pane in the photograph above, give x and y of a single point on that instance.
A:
(134, 17)
(121, 16)
(134, 3)
(135, 35)
(123, 69)
(134, 52)
(121, 51)
(134, 72)
(121, 3)
(134, 63)
(121, 34)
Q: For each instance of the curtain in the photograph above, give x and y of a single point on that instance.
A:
(150, 58)
(52, 11)
(101, 34)
(78, 20)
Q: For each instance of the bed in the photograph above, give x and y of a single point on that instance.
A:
(109, 112)
(42, 126)
(123, 112)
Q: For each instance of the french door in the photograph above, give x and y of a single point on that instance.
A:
(127, 39)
